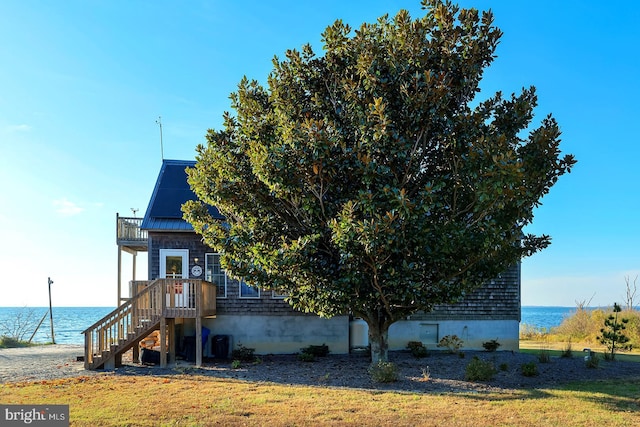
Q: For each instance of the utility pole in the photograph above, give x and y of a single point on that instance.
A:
(53, 339)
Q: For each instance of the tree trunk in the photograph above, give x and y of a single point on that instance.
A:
(379, 340)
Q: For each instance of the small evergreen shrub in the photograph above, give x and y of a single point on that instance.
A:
(479, 370)
(236, 364)
(612, 334)
(504, 367)
(243, 353)
(491, 345)
(417, 349)
(529, 369)
(384, 372)
(306, 357)
(451, 342)
(316, 350)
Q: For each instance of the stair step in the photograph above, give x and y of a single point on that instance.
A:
(119, 326)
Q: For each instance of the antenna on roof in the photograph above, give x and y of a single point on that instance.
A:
(159, 122)
(134, 211)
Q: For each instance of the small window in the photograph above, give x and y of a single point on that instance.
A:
(215, 274)
(247, 291)
(279, 295)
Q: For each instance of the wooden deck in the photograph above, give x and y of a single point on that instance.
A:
(129, 235)
(131, 239)
(156, 304)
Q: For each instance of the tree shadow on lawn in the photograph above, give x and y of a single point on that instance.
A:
(438, 373)
(620, 394)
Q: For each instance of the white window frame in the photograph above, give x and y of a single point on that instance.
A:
(252, 296)
(276, 295)
(182, 253)
(209, 278)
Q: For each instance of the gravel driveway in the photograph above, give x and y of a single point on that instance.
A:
(40, 362)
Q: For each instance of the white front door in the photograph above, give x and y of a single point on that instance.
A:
(174, 264)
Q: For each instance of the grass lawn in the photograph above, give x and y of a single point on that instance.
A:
(191, 400)
(555, 349)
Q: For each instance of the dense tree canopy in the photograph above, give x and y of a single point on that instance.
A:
(369, 180)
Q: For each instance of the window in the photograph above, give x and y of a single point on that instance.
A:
(279, 295)
(247, 291)
(215, 274)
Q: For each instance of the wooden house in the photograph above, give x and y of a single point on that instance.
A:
(190, 298)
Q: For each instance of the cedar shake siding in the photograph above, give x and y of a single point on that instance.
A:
(499, 299)
(266, 304)
(174, 240)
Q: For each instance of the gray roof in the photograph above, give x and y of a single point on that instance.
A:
(170, 192)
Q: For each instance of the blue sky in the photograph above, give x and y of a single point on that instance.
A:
(83, 83)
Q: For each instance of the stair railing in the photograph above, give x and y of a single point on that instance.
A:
(173, 298)
(117, 327)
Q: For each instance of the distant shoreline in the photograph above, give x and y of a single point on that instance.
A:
(113, 307)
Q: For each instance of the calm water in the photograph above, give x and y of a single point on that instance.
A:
(545, 317)
(69, 322)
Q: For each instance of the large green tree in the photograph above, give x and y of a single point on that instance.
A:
(370, 180)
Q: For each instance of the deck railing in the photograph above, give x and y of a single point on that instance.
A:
(168, 298)
(128, 229)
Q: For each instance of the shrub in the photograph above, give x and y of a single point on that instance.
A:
(633, 326)
(414, 344)
(384, 372)
(504, 366)
(243, 353)
(567, 351)
(491, 345)
(316, 350)
(544, 356)
(479, 370)
(306, 357)
(235, 364)
(579, 324)
(451, 342)
(417, 349)
(529, 369)
(531, 332)
(592, 361)
(10, 342)
(612, 335)
(17, 326)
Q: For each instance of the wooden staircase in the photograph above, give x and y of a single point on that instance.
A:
(160, 300)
